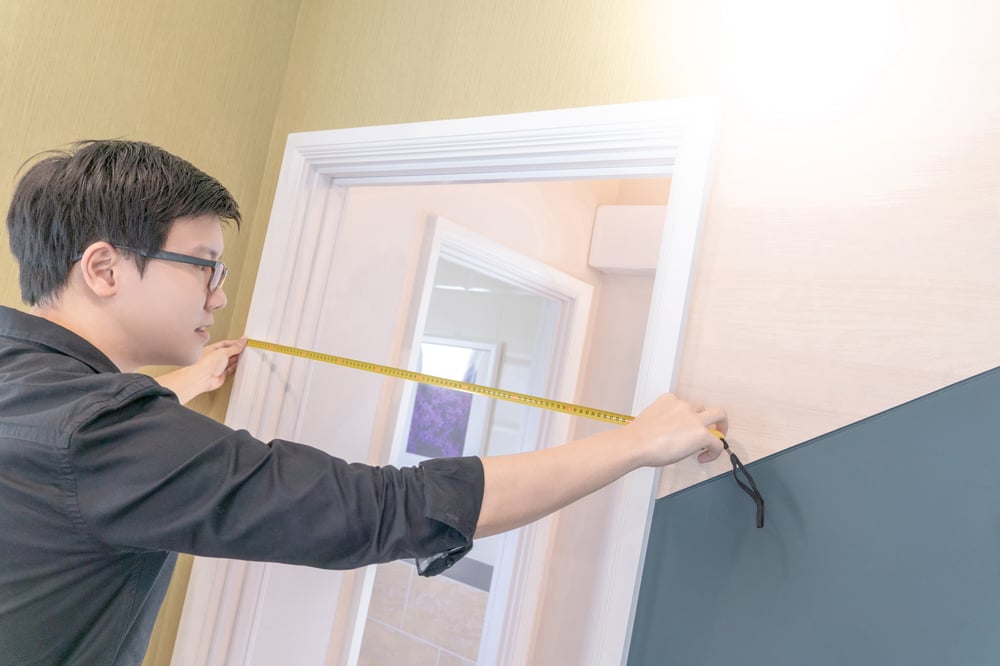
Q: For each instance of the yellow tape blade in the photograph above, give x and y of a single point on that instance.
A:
(410, 375)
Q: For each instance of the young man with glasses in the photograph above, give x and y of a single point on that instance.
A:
(104, 476)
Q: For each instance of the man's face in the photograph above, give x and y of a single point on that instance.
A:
(169, 309)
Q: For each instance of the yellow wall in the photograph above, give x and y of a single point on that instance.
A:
(371, 62)
(201, 79)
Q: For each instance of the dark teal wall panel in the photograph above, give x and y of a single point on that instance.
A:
(881, 547)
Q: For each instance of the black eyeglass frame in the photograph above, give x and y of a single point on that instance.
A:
(215, 280)
(219, 269)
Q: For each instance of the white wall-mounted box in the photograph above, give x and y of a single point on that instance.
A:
(626, 239)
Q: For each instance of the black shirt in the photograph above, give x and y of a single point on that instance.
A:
(104, 476)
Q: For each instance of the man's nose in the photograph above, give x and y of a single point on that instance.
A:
(216, 300)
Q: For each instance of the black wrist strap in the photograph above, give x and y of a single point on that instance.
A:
(748, 486)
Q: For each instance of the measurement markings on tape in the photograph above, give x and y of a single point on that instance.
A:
(410, 375)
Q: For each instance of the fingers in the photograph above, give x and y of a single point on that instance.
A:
(676, 429)
(708, 455)
(717, 421)
(716, 417)
(234, 348)
(220, 359)
(219, 344)
(228, 347)
(711, 417)
(236, 345)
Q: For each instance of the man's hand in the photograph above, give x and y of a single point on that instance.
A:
(218, 361)
(523, 487)
(671, 429)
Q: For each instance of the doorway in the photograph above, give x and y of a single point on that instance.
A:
(490, 316)
(240, 613)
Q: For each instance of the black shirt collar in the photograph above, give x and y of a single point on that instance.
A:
(35, 330)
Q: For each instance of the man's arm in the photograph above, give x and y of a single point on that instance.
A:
(524, 487)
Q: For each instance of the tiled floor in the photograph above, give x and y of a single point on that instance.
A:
(414, 621)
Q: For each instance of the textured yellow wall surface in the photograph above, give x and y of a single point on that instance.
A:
(372, 62)
(201, 79)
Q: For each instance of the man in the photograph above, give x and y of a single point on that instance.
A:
(104, 476)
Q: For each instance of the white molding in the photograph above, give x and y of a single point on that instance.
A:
(646, 139)
(662, 347)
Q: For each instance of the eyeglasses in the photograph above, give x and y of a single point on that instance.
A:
(748, 486)
(219, 269)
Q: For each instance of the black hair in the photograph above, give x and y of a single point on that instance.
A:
(127, 193)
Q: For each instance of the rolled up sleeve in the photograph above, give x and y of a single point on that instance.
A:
(151, 474)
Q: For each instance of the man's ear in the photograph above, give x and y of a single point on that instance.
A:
(101, 265)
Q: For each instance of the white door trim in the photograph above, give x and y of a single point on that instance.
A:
(673, 138)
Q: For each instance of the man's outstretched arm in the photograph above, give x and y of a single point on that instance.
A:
(524, 487)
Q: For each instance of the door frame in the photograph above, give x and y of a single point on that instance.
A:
(670, 138)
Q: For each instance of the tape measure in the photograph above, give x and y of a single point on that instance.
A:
(489, 392)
